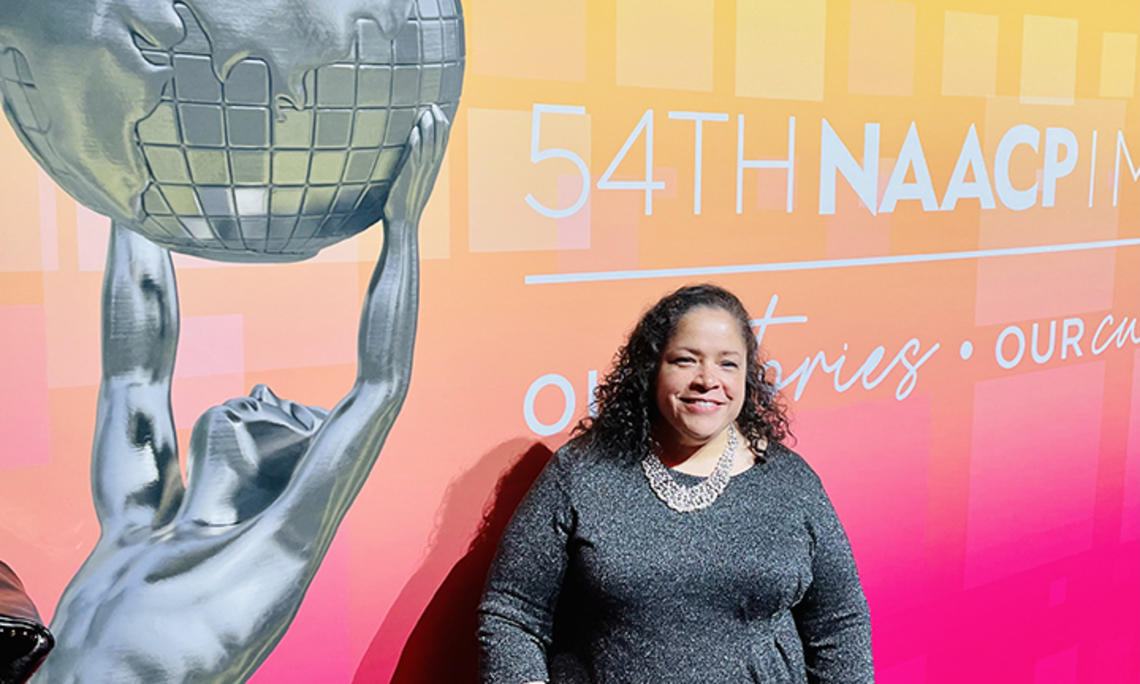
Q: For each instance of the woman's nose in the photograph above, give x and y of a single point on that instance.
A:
(705, 377)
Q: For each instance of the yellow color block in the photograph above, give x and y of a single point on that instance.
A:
(527, 39)
(1048, 60)
(779, 48)
(501, 175)
(969, 54)
(1118, 65)
(882, 48)
(665, 44)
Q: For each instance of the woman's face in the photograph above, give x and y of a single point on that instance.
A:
(701, 382)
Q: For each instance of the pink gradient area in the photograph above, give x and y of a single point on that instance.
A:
(49, 227)
(310, 321)
(210, 365)
(1024, 628)
(873, 458)
(71, 311)
(1057, 668)
(906, 672)
(316, 647)
(190, 397)
(1033, 469)
(1117, 660)
(1130, 520)
(92, 231)
(1057, 591)
(24, 425)
(209, 345)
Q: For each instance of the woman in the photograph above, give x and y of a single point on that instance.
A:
(674, 538)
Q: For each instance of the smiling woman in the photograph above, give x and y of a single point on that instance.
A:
(719, 559)
(700, 384)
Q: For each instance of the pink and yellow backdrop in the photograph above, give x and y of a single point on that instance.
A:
(931, 208)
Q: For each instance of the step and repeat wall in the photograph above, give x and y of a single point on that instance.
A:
(931, 210)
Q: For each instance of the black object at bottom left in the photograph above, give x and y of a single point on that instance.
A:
(24, 640)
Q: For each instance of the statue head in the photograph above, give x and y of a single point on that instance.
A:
(246, 450)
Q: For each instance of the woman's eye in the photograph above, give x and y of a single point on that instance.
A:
(683, 360)
(728, 364)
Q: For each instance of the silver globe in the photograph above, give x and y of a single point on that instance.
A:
(238, 131)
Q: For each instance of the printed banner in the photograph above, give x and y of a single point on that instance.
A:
(931, 210)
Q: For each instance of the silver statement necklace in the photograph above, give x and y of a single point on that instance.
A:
(701, 495)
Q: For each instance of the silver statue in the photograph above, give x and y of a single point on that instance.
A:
(261, 130)
(198, 583)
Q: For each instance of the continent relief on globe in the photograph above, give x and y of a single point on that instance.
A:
(237, 131)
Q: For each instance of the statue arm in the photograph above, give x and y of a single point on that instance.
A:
(343, 452)
(134, 468)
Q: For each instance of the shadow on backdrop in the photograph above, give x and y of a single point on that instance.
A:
(441, 647)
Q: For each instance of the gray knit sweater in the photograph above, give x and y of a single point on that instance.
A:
(596, 580)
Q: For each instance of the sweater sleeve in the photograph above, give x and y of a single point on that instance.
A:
(832, 617)
(516, 613)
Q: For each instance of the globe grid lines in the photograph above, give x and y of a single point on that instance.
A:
(14, 71)
(224, 177)
(221, 208)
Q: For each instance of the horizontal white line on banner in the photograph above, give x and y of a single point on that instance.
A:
(639, 274)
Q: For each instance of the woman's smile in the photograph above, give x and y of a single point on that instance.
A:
(702, 405)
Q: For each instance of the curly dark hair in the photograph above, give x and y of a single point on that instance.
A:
(626, 398)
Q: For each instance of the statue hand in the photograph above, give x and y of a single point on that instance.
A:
(412, 187)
